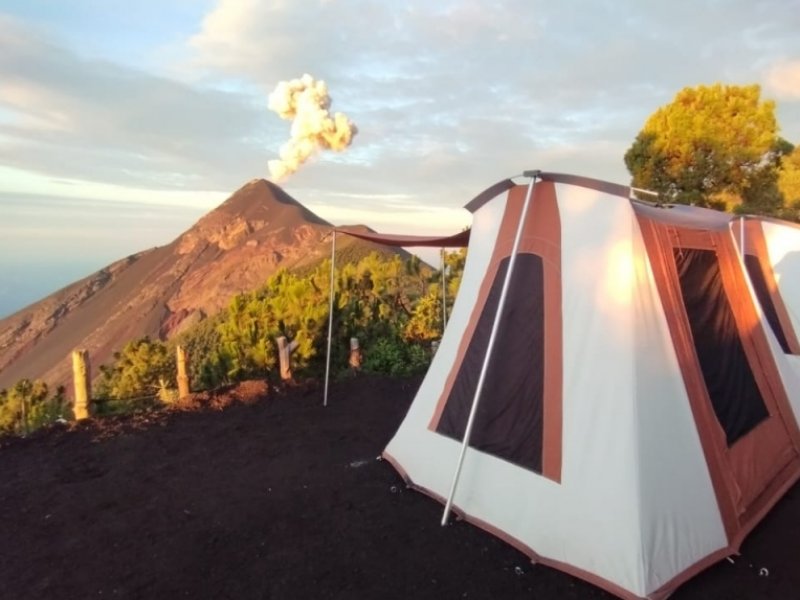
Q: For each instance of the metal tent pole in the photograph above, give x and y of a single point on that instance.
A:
(489, 347)
(741, 237)
(330, 320)
(444, 292)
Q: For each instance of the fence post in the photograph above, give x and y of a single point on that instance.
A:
(283, 358)
(183, 375)
(81, 376)
(355, 354)
(285, 350)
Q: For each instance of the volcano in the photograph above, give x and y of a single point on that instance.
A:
(163, 291)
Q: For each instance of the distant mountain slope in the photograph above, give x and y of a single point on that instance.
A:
(158, 292)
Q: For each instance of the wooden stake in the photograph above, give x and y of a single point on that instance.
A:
(81, 375)
(283, 358)
(285, 350)
(355, 354)
(183, 375)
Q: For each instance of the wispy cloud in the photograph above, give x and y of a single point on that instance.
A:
(69, 116)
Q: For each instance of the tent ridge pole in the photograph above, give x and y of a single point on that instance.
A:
(489, 347)
(330, 320)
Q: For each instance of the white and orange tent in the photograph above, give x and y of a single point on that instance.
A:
(607, 396)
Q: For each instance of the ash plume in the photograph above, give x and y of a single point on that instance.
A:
(305, 102)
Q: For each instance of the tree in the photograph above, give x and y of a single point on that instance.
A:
(789, 184)
(425, 323)
(142, 369)
(708, 147)
(454, 264)
(27, 406)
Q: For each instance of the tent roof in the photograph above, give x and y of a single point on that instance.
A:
(672, 214)
(458, 240)
(684, 216)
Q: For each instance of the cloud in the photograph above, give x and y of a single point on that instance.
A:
(448, 96)
(429, 78)
(783, 80)
(66, 115)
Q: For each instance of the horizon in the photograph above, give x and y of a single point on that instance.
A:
(120, 128)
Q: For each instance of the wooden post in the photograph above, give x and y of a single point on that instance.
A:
(81, 375)
(355, 355)
(183, 375)
(283, 358)
(285, 350)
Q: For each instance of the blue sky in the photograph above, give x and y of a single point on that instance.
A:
(122, 123)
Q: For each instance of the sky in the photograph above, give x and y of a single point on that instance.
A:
(121, 123)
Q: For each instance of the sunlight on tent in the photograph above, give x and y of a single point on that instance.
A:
(620, 275)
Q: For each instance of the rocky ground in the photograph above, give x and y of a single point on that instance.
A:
(256, 494)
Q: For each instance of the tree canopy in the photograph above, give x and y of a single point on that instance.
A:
(714, 146)
(789, 184)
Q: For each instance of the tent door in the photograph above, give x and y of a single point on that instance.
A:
(741, 389)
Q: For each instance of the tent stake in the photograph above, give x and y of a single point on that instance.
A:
(330, 320)
(489, 347)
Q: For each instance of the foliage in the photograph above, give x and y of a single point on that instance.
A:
(393, 306)
(425, 323)
(200, 343)
(139, 372)
(377, 298)
(395, 357)
(789, 184)
(454, 264)
(288, 305)
(28, 406)
(710, 144)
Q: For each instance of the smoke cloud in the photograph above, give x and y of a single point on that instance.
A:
(305, 102)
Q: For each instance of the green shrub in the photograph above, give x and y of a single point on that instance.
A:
(392, 356)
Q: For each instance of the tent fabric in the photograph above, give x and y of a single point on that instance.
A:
(642, 481)
(458, 240)
(775, 247)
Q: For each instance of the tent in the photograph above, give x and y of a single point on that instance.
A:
(606, 395)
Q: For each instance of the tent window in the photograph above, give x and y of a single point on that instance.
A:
(508, 423)
(732, 388)
(761, 288)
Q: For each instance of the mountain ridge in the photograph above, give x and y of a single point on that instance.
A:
(161, 291)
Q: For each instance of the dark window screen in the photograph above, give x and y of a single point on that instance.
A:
(508, 423)
(759, 282)
(734, 394)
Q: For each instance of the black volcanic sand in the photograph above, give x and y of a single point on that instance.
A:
(281, 498)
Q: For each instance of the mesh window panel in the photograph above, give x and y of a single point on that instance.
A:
(731, 385)
(765, 299)
(508, 423)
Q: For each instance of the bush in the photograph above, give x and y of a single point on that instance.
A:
(394, 357)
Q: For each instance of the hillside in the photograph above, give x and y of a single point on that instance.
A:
(163, 291)
(277, 497)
